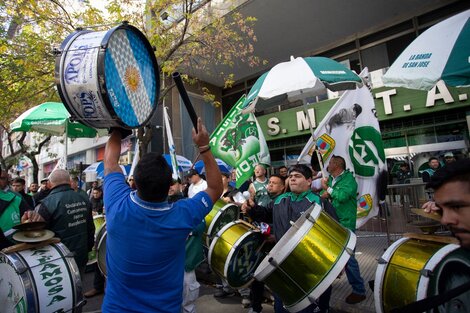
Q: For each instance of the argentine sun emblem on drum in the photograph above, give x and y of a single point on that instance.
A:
(108, 78)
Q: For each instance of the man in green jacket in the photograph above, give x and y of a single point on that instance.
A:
(341, 188)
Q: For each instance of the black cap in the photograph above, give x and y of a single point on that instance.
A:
(192, 172)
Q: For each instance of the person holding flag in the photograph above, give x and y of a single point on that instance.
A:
(341, 188)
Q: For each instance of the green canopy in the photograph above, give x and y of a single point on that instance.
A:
(51, 118)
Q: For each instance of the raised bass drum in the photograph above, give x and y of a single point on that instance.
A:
(235, 252)
(412, 269)
(108, 78)
(307, 259)
(43, 279)
(221, 214)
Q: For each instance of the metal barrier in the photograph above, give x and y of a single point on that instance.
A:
(396, 217)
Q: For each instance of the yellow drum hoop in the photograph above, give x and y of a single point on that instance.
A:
(209, 234)
(423, 281)
(296, 234)
(232, 249)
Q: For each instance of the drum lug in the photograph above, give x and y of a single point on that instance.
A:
(350, 251)
(80, 304)
(56, 52)
(273, 262)
(312, 299)
(381, 261)
(426, 272)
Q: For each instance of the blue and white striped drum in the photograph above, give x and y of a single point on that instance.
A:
(108, 78)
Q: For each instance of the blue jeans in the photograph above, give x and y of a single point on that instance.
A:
(354, 276)
(323, 303)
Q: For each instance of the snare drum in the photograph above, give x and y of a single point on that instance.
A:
(42, 279)
(221, 214)
(235, 252)
(307, 259)
(101, 249)
(412, 269)
(108, 78)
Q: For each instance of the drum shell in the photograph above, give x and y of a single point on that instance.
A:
(307, 259)
(235, 252)
(47, 278)
(221, 214)
(101, 249)
(415, 266)
(98, 221)
(102, 93)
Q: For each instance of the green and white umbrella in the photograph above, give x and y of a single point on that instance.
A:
(51, 118)
(442, 52)
(299, 79)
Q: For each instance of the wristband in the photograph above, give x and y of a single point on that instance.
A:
(205, 150)
(203, 147)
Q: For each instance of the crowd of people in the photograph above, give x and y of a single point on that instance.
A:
(155, 223)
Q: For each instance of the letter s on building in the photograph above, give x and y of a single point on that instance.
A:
(273, 127)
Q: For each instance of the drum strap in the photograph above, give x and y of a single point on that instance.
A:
(432, 302)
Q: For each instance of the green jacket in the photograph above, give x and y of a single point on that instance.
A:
(69, 216)
(194, 252)
(344, 198)
(10, 214)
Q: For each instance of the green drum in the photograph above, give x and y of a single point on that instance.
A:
(307, 259)
(235, 252)
(415, 268)
(98, 220)
(101, 249)
(221, 214)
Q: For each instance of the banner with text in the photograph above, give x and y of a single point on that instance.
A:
(239, 141)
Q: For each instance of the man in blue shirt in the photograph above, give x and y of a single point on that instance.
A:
(146, 236)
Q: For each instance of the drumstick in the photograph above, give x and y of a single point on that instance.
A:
(184, 96)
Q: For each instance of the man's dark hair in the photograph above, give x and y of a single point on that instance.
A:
(433, 158)
(283, 179)
(302, 169)
(19, 180)
(340, 160)
(75, 179)
(99, 188)
(458, 171)
(282, 166)
(152, 177)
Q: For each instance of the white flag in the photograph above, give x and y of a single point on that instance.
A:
(351, 130)
(171, 144)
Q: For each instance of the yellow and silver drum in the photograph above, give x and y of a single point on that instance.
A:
(307, 259)
(235, 252)
(101, 249)
(412, 269)
(221, 214)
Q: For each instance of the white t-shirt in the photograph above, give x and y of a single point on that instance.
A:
(195, 188)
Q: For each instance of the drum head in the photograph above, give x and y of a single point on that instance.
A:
(224, 216)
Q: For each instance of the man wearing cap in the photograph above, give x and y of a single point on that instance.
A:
(289, 207)
(341, 188)
(43, 191)
(146, 236)
(197, 183)
(449, 158)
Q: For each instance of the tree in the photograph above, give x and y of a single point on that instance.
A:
(187, 34)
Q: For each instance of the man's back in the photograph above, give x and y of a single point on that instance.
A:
(145, 248)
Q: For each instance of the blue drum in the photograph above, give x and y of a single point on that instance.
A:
(108, 78)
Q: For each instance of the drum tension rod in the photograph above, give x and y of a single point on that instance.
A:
(350, 251)
(426, 272)
(381, 261)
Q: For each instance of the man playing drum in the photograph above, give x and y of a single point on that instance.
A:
(146, 236)
(289, 207)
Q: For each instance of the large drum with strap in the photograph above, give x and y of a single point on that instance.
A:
(419, 266)
(235, 252)
(221, 214)
(43, 279)
(307, 259)
(100, 241)
(108, 78)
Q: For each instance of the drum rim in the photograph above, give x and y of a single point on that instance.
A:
(102, 77)
(212, 224)
(216, 238)
(295, 235)
(103, 237)
(329, 278)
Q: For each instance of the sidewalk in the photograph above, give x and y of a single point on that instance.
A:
(368, 250)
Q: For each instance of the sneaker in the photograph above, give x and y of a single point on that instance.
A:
(223, 294)
(92, 292)
(354, 298)
(246, 302)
